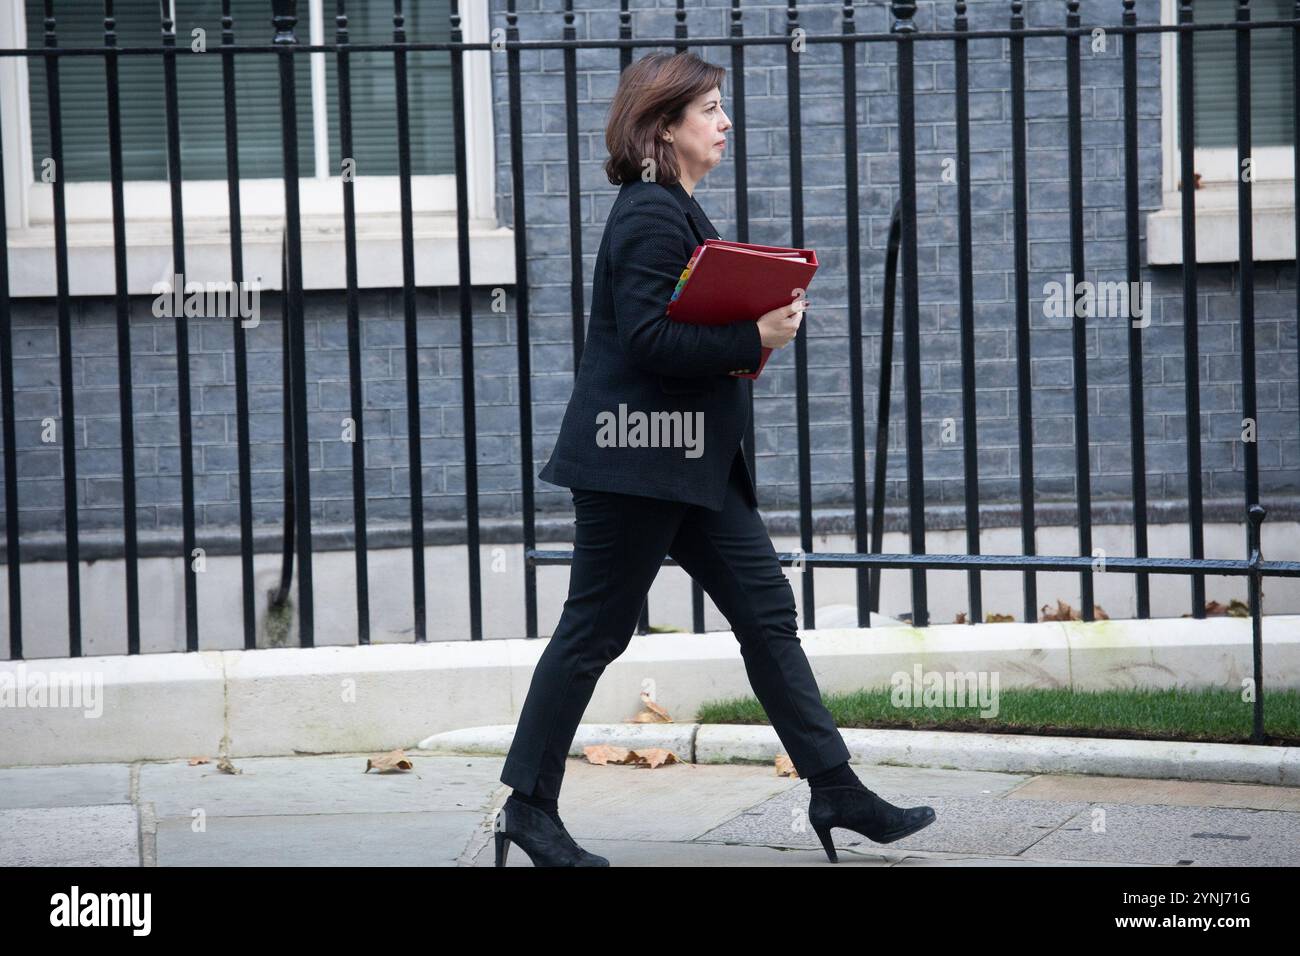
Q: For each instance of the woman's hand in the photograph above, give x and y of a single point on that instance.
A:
(779, 326)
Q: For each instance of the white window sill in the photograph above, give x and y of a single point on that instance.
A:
(1272, 225)
(207, 254)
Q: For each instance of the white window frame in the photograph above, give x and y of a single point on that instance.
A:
(29, 203)
(1272, 187)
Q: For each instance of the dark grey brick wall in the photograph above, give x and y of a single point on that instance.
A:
(212, 371)
(496, 385)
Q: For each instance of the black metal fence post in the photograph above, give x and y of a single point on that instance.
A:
(523, 348)
(415, 451)
(1191, 348)
(68, 419)
(903, 11)
(284, 19)
(171, 93)
(1078, 322)
(469, 418)
(1137, 412)
(122, 306)
(966, 282)
(1246, 261)
(794, 127)
(1024, 367)
(240, 345)
(853, 259)
(356, 399)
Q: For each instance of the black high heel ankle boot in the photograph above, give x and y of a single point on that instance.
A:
(859, 809)
(544, 839)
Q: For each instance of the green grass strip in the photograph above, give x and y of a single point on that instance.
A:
(1201, 714)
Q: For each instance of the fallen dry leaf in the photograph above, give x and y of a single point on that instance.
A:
(651, 757)
(785, 766)
(988, 618)
(653, 713)
(602, 754)
(1064, 612)
(389, 762)
(1234, 608)
(195, 761)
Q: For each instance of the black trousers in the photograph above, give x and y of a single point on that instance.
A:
(620, 543)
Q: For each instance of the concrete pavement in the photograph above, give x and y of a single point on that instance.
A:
(323, 810)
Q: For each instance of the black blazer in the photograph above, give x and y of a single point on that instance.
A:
(638, 360)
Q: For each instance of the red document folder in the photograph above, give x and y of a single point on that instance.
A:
(727, 282)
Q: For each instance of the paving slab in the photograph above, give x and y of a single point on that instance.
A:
(334, 840)
(931, 782)
(333, 783)
(1178, 836)
(1192, 793)
(70, 836)
(70, 786)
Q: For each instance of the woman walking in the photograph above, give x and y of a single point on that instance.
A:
(638, 501)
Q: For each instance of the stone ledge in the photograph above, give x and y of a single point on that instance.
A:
(380, 697)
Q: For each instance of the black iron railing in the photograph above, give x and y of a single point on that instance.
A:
(281, 31)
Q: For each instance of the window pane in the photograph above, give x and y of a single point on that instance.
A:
(257, 93)
(84, 98)
(1215, 84)
(374, 98)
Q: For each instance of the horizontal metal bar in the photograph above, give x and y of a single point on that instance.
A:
(652, 42)
(1001, 562)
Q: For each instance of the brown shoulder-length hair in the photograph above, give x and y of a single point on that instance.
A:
(653, 94)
